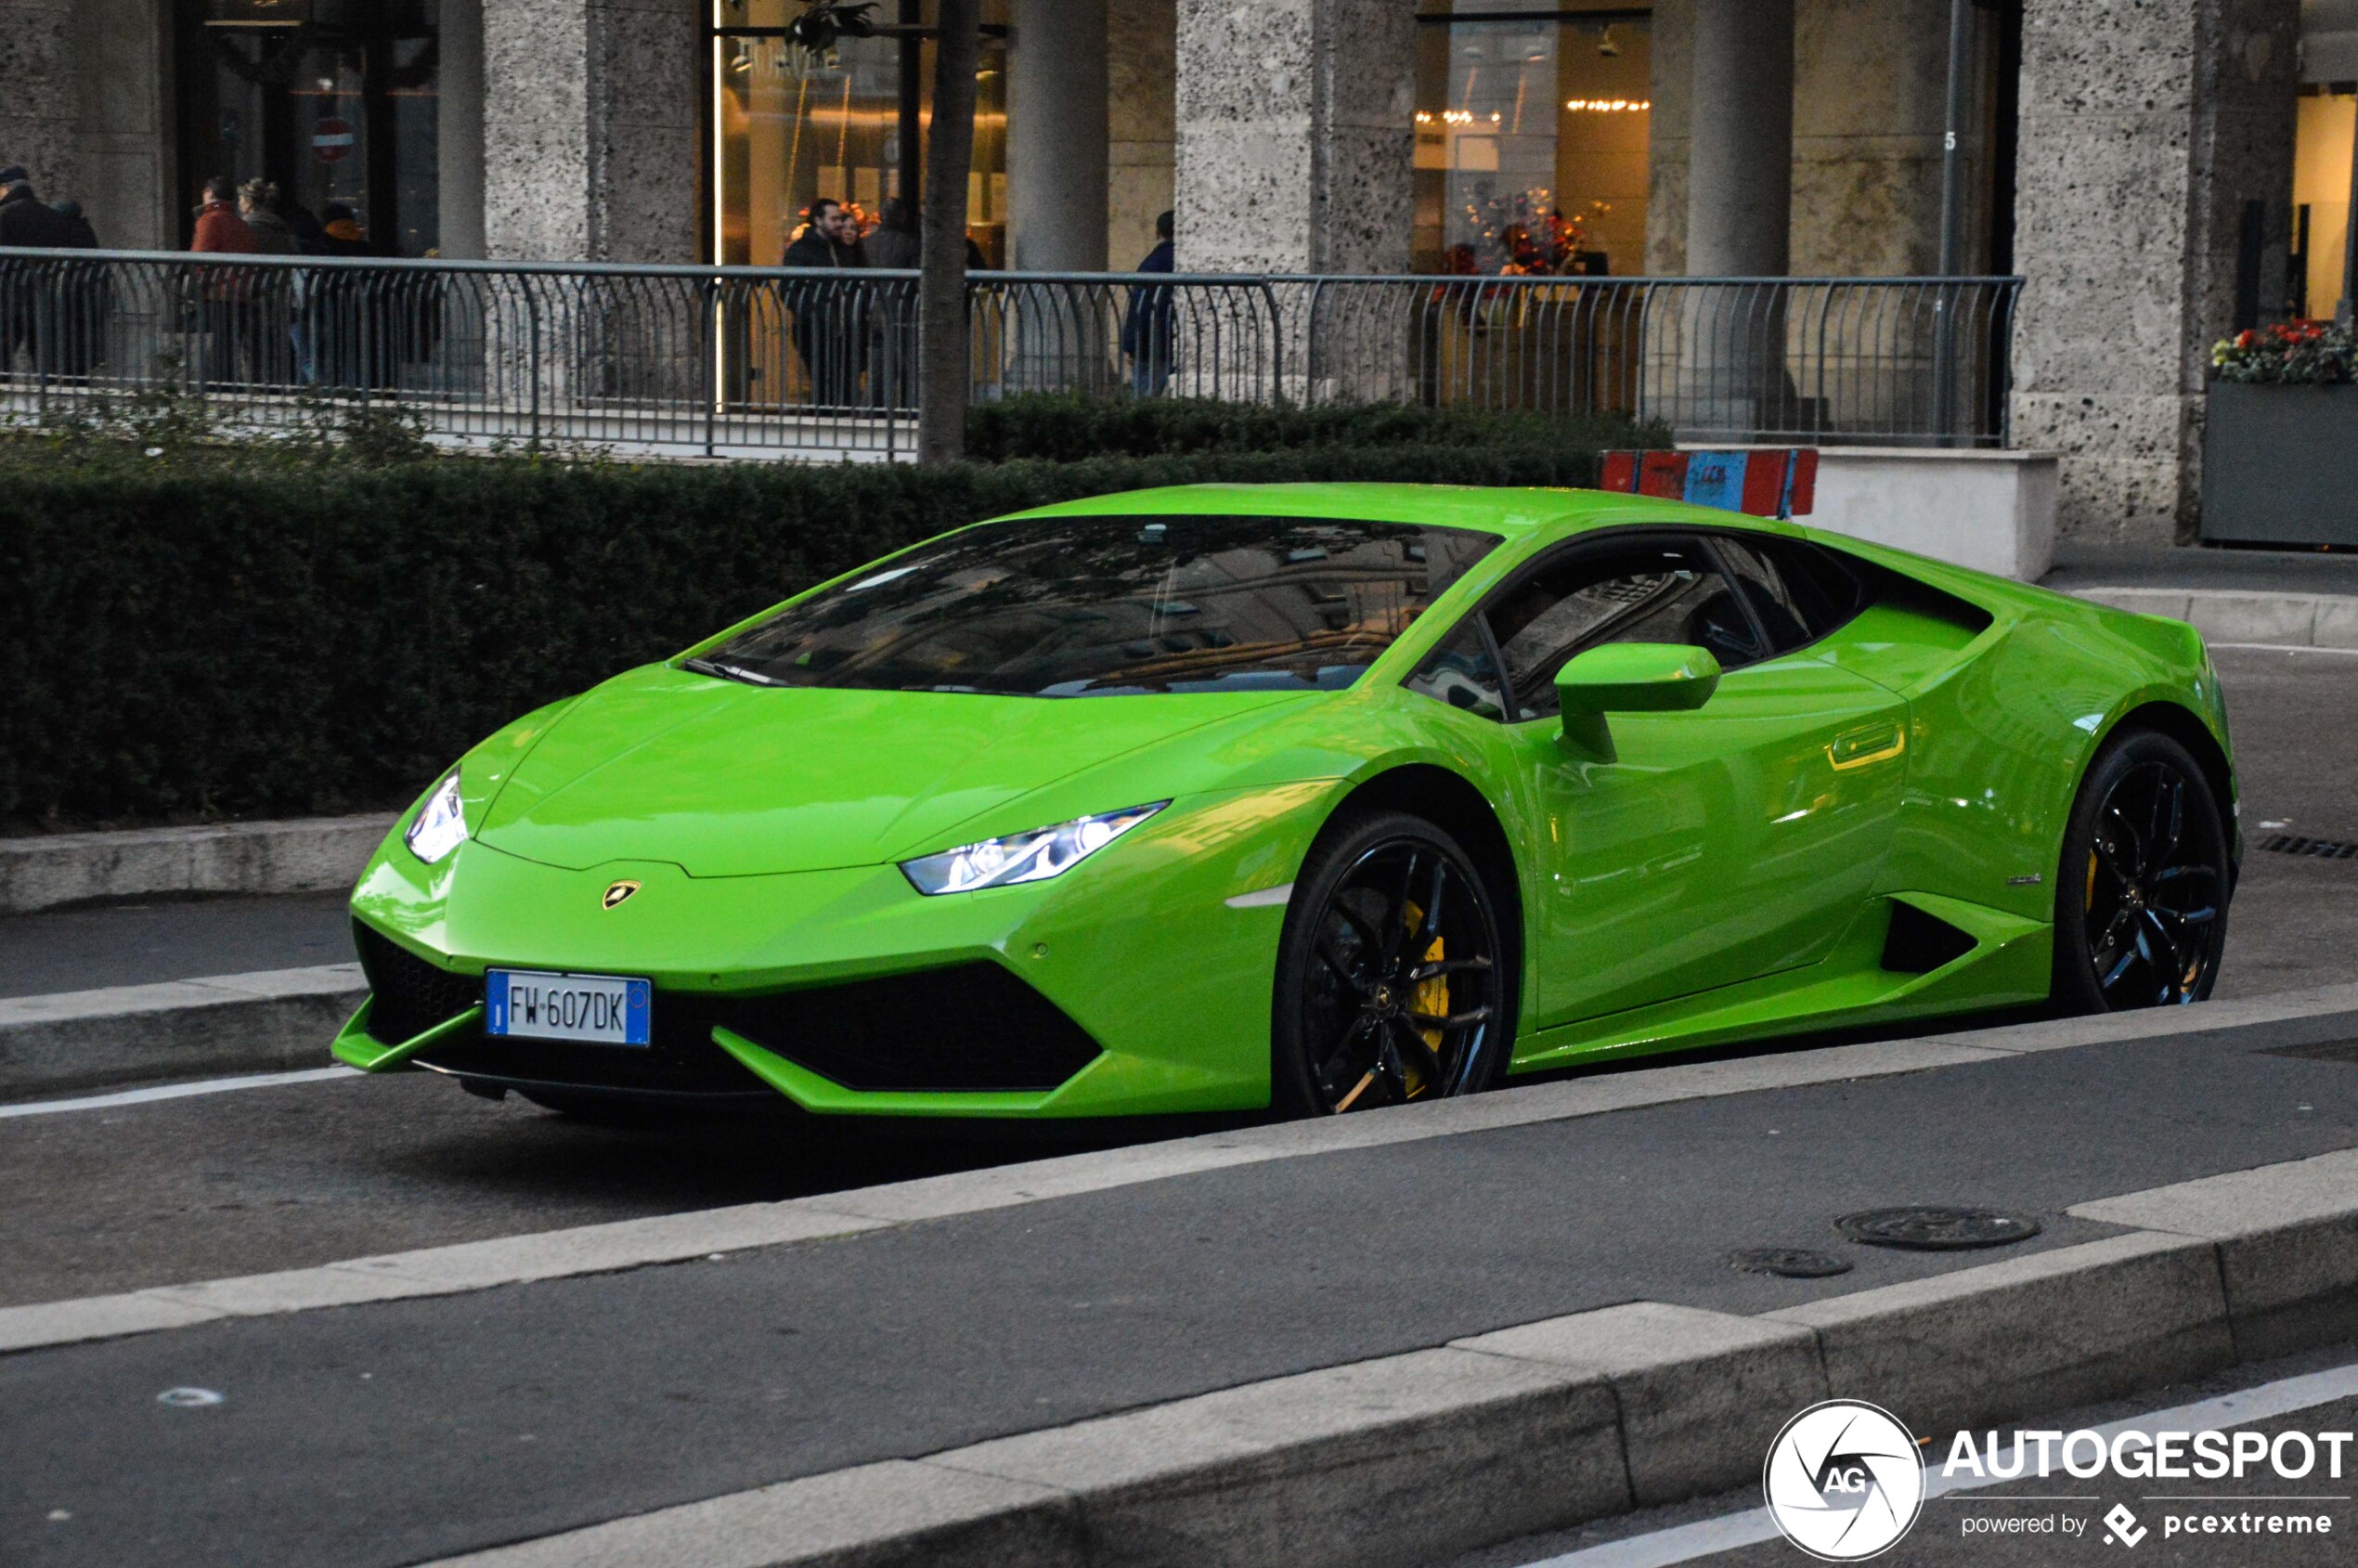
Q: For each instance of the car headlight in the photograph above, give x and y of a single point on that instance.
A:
(1022, 857)
(442, 822)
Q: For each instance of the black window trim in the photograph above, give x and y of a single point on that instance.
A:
(1624, 534)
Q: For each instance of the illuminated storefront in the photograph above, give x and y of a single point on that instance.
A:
(2321, 187)
(1532, 137)
(789, 127)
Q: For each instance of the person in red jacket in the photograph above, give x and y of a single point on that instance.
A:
(223, 295)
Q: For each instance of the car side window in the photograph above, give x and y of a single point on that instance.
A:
(1659, 591)
(1797, 592)
(1463, 673)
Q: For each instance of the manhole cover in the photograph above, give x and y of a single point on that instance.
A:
(1935, 1229)
(1788, 1263)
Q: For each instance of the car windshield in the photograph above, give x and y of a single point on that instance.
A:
(1107, 606)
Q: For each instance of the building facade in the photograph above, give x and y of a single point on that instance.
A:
(2161, 171)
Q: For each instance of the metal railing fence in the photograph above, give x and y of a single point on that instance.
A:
(751, 361)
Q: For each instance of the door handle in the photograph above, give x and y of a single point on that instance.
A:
(1867, 746)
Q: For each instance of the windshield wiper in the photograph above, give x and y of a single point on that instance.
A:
(728, 672)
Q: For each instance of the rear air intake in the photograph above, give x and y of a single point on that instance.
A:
(1919, 943)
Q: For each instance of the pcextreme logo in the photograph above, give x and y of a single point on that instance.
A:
(1844, 1481)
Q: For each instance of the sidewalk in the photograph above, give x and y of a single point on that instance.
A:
(964, 1310)
(2079, 566)
(2274, 599)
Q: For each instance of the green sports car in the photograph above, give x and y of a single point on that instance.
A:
(1313, 797)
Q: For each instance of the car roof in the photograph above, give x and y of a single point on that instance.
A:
(1516, 513)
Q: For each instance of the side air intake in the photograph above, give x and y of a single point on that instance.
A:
(1919, 943)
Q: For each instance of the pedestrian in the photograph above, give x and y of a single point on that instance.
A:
(830, 317)
(85, 237)
(41, 307)
(346, 316)
(275, 291)
(340, 234)
(1148, 332)
(223, 293)
(85, 296)
(894, 244)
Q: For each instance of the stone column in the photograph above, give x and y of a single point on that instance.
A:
(459, 124)
(1295, 128)
(1057, 191)
(591, 127)
(591, 124)
(1740, 146)
(2146, 125)
(40, 108)
(1139, 35)
(1731, 375)
(1057, 137)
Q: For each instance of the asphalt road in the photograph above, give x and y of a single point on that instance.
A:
(1955, 1531)
(2294, 719)
(394, 1431)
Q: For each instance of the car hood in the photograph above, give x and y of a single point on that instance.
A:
(730, 780)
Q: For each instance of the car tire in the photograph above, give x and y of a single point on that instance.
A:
(1387, 994)
(2142, 891)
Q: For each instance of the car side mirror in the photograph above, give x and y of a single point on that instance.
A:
(1630, 678)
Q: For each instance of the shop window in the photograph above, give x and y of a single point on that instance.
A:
(334, 100)
(789, 127)
(1533, 132)
(2329, 126)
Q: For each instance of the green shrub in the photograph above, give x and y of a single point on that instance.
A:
(1067, 429)
(191, 638)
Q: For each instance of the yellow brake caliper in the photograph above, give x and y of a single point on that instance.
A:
(1430, 998)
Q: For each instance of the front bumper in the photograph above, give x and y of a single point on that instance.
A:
(1126, 987)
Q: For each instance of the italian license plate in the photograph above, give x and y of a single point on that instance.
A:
(594, 1009)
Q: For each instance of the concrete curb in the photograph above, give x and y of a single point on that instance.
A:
(306, 855)
(267, 1023)
(2284, 620)
(1417, 1458)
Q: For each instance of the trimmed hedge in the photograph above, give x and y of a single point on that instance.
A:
(1072, 428)
(186, 641)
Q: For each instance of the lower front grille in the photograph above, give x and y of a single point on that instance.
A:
(680, 1059)
(412, 995)
(972, 1028)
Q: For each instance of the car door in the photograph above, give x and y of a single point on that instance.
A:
(1716, 846)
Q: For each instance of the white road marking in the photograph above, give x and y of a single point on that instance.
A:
(180, 1091)
(1706, 1538)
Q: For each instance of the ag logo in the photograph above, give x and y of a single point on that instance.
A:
(619, 892)
(1844, 1481)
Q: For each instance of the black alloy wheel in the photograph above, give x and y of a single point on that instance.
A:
(1392, 983)
(2141, 910)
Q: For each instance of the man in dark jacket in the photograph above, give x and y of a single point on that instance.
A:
(1147, 331)
(42, 305)
(830, 317)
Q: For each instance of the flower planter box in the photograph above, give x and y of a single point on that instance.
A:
(2280, 465)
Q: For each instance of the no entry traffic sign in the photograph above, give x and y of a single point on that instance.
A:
(333, 139)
